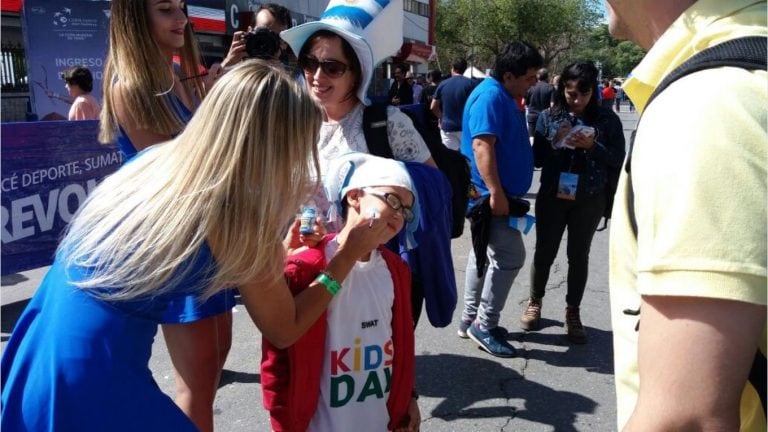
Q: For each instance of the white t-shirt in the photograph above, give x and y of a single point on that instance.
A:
(357, 365)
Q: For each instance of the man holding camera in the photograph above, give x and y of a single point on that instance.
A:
(262, 39)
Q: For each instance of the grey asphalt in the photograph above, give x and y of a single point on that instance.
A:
(551, 386)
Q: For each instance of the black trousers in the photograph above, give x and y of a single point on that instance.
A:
(553, 216)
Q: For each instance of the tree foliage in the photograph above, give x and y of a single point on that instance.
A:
(616, 58)
(562, 30)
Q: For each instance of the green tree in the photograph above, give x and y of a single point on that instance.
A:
(617, 58)
(626, 56)
(479, 29)
(475, 29)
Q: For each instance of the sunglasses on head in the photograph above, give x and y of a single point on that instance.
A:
(332, 68)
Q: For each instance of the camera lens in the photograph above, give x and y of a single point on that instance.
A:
(262, 43)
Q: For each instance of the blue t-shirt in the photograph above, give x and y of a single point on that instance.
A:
(452, 94)
(490, 110)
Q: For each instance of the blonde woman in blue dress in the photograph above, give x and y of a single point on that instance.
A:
(192, 216)
(152, 86)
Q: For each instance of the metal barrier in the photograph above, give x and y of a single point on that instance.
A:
(13, 69)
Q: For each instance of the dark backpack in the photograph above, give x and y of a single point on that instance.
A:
(748, 53)
(452, 163)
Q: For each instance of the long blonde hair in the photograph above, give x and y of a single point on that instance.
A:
(233, 177)
(136, 61)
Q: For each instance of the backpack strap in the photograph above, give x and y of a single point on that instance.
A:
(747, 53)
(375, 130)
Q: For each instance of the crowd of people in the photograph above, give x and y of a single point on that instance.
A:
(218, 164)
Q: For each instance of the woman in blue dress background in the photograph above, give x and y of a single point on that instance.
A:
(193, 216)
(148, 99)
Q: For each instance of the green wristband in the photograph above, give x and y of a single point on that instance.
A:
(329, 282)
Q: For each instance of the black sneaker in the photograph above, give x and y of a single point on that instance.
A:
(491, 343)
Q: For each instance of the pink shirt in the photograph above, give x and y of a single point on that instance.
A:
(85, 107)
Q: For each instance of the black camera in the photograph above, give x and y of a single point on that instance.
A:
(262, 43)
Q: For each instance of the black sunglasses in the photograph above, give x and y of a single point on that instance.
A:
(395, 203)
(332, 68)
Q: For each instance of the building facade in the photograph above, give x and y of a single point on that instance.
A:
(214, 22)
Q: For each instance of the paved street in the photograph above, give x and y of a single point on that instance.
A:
(551, 386)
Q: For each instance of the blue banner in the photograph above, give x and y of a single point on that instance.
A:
(60, 35)
(48, 169)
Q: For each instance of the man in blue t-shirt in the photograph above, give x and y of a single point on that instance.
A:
(495, 140)
(448, 104)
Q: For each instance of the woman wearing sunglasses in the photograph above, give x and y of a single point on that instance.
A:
(337, 55)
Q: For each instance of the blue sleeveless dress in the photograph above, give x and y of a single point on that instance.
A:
(124, 143)
(183, 309)
(76, 362)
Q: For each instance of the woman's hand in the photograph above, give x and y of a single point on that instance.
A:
(214, 72)
(366, 234)
(581, 139)
(236, 51)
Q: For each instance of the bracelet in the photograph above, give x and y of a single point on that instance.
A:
(329, 282)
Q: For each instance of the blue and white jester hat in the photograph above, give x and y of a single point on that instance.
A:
(359, 170)
(374, 28)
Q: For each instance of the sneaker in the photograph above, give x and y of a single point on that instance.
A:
(498, 331)
(532, 315)
(573, 326)
(487, 341)
(463, 326)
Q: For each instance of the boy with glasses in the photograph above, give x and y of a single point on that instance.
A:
(355, 365)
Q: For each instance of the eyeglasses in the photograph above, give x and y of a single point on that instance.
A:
(394, 202)
(332, 68)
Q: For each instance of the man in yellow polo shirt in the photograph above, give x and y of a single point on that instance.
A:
(697, 268)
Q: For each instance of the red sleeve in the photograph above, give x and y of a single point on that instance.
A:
(276, 366)
(274, 384)
(404, 362)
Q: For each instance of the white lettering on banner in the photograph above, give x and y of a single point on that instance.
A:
(43, 211)
(53, 173)
(89, 62)
(103, 160)
(59, 172)
(10, 183)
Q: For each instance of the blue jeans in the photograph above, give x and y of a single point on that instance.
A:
(484, 297)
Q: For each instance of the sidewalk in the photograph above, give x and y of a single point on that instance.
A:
(551, 386)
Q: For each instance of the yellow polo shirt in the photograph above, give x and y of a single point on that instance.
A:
(699, 175)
